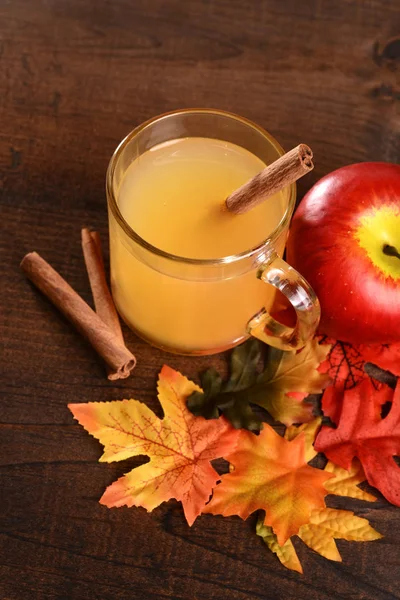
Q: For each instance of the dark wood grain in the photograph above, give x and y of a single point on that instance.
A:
(75, 77)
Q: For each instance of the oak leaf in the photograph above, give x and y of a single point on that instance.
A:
(288, 377)
(345, 364)
(385, 356)
(364, 434)
(180, 447)
(270, 473)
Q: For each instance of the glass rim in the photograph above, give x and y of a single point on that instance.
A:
(131, 233)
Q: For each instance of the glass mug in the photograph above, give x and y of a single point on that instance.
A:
(204, 306)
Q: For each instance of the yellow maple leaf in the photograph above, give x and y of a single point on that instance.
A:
(287, 379)
(345, 483)
(297, 371)
(310, 431)
(270, 473)
(329, 524)
(180, 447)
(325, 525)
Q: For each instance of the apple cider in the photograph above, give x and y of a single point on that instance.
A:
(172, 196)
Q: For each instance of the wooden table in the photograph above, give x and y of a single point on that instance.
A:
(76, 76)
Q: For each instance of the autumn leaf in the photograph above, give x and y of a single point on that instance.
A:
(270, 473)
(364, 434)
(329, 524)
(385, 356)
(345, 364)
(286, 553)
(345, 482)
(280, 389)
(291, 372)
(325, 524)
(229, 397)
(310, 431)
(180, 447)
(319, 534)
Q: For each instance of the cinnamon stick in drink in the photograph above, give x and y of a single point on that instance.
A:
(282, 172)
(106, 343)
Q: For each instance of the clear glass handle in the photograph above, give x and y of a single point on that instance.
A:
(302, 297)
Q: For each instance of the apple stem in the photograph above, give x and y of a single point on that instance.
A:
(391, 251)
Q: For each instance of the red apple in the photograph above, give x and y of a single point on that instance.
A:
(345, 240)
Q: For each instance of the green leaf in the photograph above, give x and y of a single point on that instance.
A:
(280, 389)
(202, 403)
(244, 361)
(226, 397)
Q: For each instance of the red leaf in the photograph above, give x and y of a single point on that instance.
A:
(362, 433)
(386, 357)
(332, 402)
(345, 366)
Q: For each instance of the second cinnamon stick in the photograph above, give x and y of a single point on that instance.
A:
(120, 360)
(103, 301)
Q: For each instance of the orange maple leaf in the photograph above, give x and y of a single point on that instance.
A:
(180, 447)
(270, 473)
(325, 524)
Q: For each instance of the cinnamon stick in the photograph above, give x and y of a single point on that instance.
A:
(120, 360)
(103, 301)
(282, 172)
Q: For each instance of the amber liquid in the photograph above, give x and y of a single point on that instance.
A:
(173, 196)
